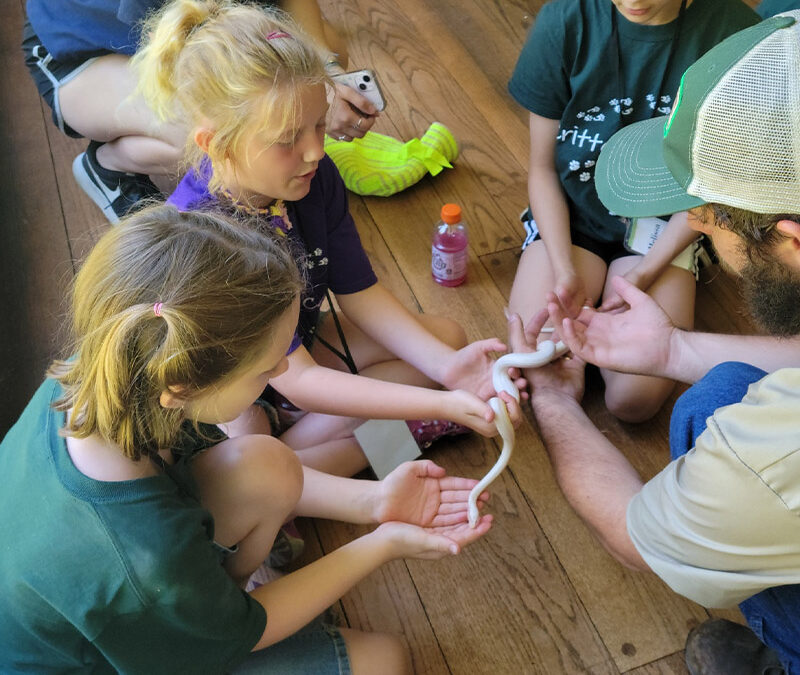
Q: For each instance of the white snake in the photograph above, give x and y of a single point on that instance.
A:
(547, 351)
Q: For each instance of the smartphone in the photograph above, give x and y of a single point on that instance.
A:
(365, 83)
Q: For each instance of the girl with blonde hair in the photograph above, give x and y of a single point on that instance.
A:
(257, 111)
(135, 523)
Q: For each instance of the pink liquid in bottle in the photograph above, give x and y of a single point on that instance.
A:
(449, 250)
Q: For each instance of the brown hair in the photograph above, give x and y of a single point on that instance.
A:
(237, 67)
(221, 286)
(757, 230)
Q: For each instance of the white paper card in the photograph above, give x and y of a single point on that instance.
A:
(387, 444)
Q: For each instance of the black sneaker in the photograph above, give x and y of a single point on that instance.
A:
(722, 647)
(115, 192)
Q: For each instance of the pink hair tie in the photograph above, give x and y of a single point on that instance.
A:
(274, 35)
(157, 308)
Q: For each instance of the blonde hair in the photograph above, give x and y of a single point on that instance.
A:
(237, 67)
(221, 285)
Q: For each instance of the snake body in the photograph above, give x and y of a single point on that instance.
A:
(547, 351)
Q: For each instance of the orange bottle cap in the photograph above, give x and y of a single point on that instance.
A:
(451, 214)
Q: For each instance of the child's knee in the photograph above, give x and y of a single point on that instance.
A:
(448, 331)
(268, 469)
(635, 401)
(377, 653)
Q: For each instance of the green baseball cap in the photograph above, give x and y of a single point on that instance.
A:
(733, 136)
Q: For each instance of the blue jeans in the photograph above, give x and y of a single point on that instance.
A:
(774, 613)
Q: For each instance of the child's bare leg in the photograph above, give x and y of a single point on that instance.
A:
(326, 442)
(535, 278)
(99, 103)
(376, 653)
(250, 485)
(636, 398)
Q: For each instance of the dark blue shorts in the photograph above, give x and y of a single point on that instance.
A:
(607, 251)
(49, 74)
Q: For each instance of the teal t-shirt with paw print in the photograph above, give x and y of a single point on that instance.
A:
(568, 70)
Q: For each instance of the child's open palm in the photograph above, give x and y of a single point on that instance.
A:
(421, 493)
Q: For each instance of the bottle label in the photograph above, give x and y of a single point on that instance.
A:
(448, 265)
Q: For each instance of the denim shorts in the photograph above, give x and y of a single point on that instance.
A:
(317, 649)
(49, 74)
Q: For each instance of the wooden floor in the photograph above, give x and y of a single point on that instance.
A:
(537, 595)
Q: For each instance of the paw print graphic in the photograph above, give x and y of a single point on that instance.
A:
(666, 99)
(584, 176)
(595, 109)
(589, 163)
(650, 97)
(665, 110)
(574, 165)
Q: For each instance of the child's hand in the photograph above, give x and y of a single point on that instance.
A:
(467, 409)
(470, 368)
(571, 293)
(429, 543)
(351, 114)
(421, 493)
(636, 276)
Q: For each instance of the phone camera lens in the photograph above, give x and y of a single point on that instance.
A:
(366, 78)
(362, 86)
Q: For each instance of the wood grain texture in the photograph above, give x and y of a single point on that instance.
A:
(35, 263)
(538, 594)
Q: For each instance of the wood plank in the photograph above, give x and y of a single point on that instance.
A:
(615, 598)
(564, 640)
(420, 90)
(673, 664)
(35, 262)
(387, 601)
(83, 220)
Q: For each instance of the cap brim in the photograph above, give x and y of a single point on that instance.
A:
(631, 177)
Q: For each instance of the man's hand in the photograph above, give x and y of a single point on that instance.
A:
(636, 340)
(564, 376)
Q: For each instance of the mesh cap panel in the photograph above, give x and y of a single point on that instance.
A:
(746, 149)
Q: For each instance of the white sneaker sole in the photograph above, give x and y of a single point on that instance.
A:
(94, 192)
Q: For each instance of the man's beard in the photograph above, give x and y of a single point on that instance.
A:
(772, 293)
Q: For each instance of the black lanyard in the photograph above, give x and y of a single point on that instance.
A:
(673, 47)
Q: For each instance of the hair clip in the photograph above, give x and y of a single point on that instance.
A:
(157, 308)
(274, 35)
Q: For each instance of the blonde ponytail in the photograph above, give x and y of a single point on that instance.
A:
(167, 299)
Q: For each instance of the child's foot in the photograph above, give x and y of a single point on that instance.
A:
(263, 575)
(288, 546)
(425, 432)
(115, 192)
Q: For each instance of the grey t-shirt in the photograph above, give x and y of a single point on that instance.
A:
(722, 523)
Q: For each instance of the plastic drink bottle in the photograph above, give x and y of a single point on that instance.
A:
(449, 250)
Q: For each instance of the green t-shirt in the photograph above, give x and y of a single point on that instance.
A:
(99, 577)
(567, 71)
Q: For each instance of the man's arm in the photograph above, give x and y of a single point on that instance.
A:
(642, 340)
(594, 476)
